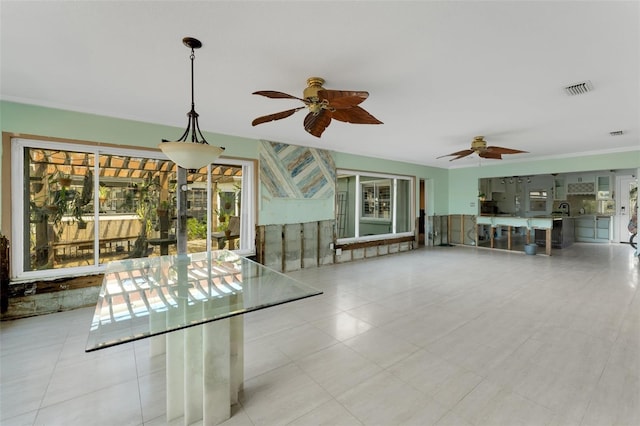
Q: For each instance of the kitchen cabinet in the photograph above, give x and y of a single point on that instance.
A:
(559, 189)
(581, 178)
(498, 185)
(581, 184)
(602, 228)
(562, 233)
(603, 187)
(592, 229)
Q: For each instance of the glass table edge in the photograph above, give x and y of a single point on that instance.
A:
(114, 343)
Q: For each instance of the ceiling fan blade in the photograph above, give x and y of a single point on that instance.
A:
(466, 153)
(315, 123)
(500, 150)
(342, 98)
(356, 115)
(277, 95)
(460, 154)
(276, 116)
(489, 154)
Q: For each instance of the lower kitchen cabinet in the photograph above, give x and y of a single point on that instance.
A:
(562, 233)
(592, 229)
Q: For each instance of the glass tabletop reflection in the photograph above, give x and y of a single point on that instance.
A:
(145, 297)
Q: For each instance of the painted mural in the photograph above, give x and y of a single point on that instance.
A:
(290, 171)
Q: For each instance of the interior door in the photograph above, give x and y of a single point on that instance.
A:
(626, 184)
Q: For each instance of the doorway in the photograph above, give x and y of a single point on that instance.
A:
(628, 190)
(422, 218)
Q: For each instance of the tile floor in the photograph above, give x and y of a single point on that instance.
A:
(437, 336)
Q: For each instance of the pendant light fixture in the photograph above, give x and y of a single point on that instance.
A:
(191, 151)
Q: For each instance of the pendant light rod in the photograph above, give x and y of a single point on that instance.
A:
(196, 153)
(193, 127)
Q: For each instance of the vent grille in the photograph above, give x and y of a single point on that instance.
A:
(616, 133)
(579, 88)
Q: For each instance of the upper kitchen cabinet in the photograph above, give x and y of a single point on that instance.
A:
(559, 189)
(581, 184)
(498, 185)
(603, 187)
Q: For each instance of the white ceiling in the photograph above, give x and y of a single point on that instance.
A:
(438, 73)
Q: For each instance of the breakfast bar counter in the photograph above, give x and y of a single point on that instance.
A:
(510, 222)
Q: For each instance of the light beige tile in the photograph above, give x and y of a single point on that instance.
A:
(261, 356)
(615, 400)
(342, 326)
(20, 396)
(72, 381)
(444, 382)
(328, 414)
(281, 396)
(377, 314)
(381, 347)
(383, 400)
(300, 341)
(114, 405)
(488, 404)
(338, 368)
(26, 419)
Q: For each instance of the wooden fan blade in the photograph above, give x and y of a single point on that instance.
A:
(489, 154)
(500, 150)
(342, 98)
(355, 115)
(276, 116)
(460, 154)
(316, 123)
(469, 152)
(277, 95)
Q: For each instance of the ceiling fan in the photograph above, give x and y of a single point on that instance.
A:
(323, 105)
(479, 145)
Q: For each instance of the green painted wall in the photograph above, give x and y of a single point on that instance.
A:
(56, 123)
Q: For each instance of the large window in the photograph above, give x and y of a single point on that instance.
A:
(82, 206)
(371, 205)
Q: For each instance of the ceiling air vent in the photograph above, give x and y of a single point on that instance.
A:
(616, 133)
(579, 88)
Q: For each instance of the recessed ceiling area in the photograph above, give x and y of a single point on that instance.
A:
(437, 73)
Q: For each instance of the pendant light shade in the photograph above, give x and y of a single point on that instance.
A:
(191, 155)
(191, 151)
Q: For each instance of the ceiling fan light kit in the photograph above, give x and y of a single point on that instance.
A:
(479, 146)
(323, 105)
(196, 152)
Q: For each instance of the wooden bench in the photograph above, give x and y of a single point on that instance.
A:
(84, 245)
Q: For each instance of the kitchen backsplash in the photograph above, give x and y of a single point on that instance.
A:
(586, 204)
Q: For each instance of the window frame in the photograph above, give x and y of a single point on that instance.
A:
(359, 203)
(18, 145)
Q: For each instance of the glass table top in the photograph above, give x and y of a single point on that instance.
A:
(145, 297)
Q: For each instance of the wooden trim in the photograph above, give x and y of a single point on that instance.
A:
(548, 242)
(53, 286)
(365, 244)
(6, 185)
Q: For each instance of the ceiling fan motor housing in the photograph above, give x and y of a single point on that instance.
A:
(314, 84)
(478, 143)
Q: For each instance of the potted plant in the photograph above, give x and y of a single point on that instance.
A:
(223, 224)
(163, 208)
(103, 193)
(64, 180)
